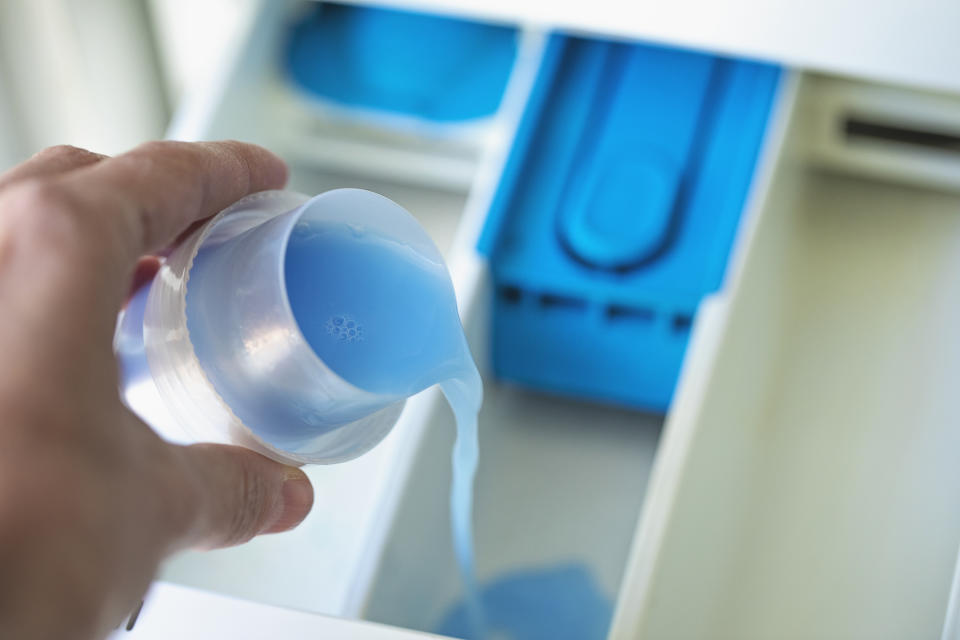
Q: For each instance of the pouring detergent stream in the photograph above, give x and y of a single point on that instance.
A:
(389, 324)
(298, 327)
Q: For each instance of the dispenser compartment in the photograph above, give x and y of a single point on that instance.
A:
(558, 490)
(806, 484)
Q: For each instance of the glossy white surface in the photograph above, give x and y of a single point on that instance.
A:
(172, 611)
(914, 43)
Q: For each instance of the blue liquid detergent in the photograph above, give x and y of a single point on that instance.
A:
(556, 603)
(384, 318)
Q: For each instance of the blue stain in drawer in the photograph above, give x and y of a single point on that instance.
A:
(430, 67)
(616, 212)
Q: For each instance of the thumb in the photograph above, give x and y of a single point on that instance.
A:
(239, 494)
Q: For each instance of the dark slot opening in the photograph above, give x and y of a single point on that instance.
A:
(682, 322)
(553, 301)
(860, 129)
(617, 312)
(511, 294)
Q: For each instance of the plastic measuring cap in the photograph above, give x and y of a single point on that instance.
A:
(225, 350)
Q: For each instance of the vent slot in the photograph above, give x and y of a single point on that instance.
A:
(624, 313)
(893, 135)
(858, 129)
(511, 295)
(682, 322)
(554, 301)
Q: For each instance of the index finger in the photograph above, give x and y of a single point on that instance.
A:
(152, 193)
(77, 237)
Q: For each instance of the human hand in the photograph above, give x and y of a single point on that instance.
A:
(91, 500)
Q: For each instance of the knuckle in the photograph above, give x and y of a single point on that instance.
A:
(43, 194)
(162, 158)
(46, 215)
(239, 150)
(233, 498)
(154, 146)
(143, 160)
(149, 155)
(239, 157)
(247, 516)
(67, 152)
(44, 210)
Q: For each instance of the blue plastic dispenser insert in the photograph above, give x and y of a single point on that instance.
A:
(616, 212)
(430, 67)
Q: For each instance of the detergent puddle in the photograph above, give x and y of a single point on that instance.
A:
(386, 321)
(555, 603)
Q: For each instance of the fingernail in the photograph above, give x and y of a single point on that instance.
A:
(297, 497)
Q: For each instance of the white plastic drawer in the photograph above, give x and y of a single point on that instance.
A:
(802, 485)
(173, 611)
